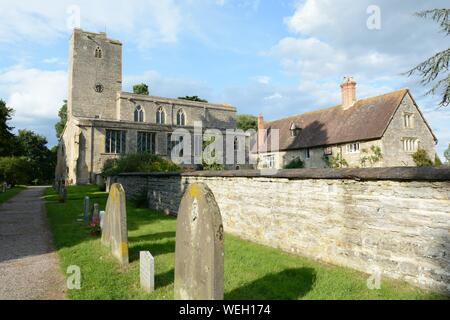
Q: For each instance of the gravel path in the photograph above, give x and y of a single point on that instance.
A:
(29, 268)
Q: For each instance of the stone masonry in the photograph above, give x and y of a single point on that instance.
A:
(395, 219)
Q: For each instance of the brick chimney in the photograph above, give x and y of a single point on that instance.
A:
(348, 92)
(260, 137)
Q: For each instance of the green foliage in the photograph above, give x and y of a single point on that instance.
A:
(421, 158)
(138, 162)
(141, 88)
(430, 69)
(437, 161)
(59, 126)
(372, 157)
(246, 122)
(297, 163)
(338, 161)
(447, 154)
(213, 166)
(15, 170)
(193, 98)
(6, 136)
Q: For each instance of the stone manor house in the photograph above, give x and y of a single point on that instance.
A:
(104, 122)
(391, 123)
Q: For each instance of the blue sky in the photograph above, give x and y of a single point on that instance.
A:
(277, 58)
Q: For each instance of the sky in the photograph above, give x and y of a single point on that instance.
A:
(275, 58)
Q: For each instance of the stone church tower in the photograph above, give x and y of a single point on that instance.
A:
(95, 75)
(105, 123)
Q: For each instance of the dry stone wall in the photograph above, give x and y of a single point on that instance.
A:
(396, 220)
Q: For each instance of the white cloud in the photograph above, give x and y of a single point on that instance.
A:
(263, 79)
(34, 94)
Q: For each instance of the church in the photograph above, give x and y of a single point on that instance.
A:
(103, 122)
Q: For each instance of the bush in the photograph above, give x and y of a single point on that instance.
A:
(15, 170)
(421, 158)
(297, 163)
(139, 162)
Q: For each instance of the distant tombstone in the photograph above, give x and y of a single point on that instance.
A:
(115, 234)
(102, 219)
(63, 195)
(199, 246)
(96, 214)
(86, 209)
(147, 271)
(4, 187)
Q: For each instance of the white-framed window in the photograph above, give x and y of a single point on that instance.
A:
(146, 142)
(307, 153)
(269, 161)
(408, 120)
(352, 147)
(410, 144)
(138, 114)
(115, 141)
(160, 116)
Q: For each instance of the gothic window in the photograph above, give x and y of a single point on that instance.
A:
(138, 114)
(98, 53)
(160, 116)
(181, 118)
(146, 142)
(115, 141)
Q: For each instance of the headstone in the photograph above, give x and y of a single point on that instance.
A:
(63, 195)
(102, 219)
(86, 209)
(4, 187)
(96, 214)
(199, 246)
(147, 271)
(115, 234)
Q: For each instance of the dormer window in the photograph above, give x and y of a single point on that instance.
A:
(98, 53)
(138, 114)
(181, 118)
(295, 131)
(160, 116)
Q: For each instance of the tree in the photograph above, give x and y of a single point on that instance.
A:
(193, 98)
(421, 158)
(297, 163)
(246, 122)
(447, 154)
(15, 170)
(430, 69)
(6, 136)
(59, 127)
(141, 88)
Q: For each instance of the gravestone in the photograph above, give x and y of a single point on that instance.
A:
(96, 214)
(199, 246)
(102, 219)
(147, 271)
(86, 209)
(115, 234)
(63, 195)
(4, 187)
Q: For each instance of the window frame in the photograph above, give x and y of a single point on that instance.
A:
(161, 116)
(181, 118)
(98, 53)
(139, 114)
(408, 120)
(115, 141)
(307, 153)
(410, 144)
(150, 142)
(353, 147)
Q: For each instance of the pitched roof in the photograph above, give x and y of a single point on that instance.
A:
(367, 119)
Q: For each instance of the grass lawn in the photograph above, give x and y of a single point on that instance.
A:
(10, 193)
(251, 271)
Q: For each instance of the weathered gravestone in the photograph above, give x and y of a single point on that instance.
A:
(199, 246)
(96, 214)
(147, 271)
(4, 187)
(86, 209)
(115, 234)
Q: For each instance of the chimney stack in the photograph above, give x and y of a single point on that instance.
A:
(261, 133)
(348, 92)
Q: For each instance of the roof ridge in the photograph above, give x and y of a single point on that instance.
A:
(339, 105)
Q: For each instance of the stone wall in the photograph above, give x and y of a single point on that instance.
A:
(395, 220)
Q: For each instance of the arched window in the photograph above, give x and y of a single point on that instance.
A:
(98, 52)
(181, 118)
(138, 114)
(160, 116)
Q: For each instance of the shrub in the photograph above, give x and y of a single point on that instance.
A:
(139, 162)
(370, 159)
(15, 170)
(437, 161)
(297, 163)
(338, 161)
(421, 158)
